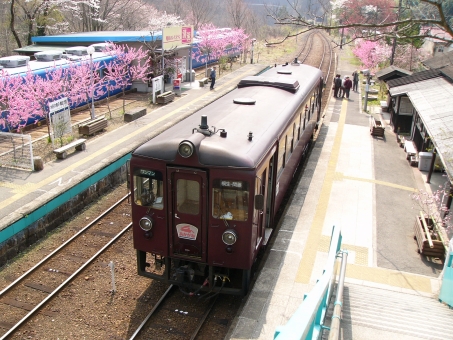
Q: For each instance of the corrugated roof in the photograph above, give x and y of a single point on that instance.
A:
(432, 100)
(414, 78)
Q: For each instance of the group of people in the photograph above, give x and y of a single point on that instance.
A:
(342, 87)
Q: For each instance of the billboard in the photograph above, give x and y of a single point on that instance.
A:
(173, 37)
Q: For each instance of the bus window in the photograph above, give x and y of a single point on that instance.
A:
(148, 189)
(230, 200)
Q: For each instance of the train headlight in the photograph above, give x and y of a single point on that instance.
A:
(185, 149)
(146, 223)
(229, 237)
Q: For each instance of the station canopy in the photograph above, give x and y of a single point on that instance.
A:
(432, 100)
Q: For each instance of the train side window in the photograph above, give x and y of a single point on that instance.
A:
(148, 189)
(281, 155)
(230, 200)
(289, 143)
(188, 197)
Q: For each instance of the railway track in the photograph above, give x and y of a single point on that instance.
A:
(29, 293)
(169, 316)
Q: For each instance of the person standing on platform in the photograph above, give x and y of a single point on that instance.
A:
(347, 87)
(336, 85)
(355, 80)
(212, 76)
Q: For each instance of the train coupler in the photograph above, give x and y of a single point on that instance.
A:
(184, 272)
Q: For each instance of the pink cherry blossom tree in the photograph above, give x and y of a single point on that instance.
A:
(26, 97)
(39, 91)
(11, 93)
(433, 206)
(214, 42)
(371, 53)
(129, 64)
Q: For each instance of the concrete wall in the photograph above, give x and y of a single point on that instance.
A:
(39, 228)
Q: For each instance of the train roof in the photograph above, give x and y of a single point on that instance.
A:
(37, 66)
(259, 107)
(100, 37)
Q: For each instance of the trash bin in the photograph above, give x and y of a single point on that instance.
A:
(424, 160)
(190, 77)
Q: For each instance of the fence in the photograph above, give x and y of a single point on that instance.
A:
(446, 290)
(16, 150)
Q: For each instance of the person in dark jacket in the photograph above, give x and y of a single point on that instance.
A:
(212, 76)
(355, 80)
(347, 87)
(336, 85)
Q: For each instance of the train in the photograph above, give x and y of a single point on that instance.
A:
(200, 59)
(205, 192)
(49, 60)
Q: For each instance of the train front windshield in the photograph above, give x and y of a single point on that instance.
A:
(148, 187)
(230, 200)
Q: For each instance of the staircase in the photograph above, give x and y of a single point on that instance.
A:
(373, 313)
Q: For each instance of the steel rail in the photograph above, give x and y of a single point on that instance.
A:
(64, 244)
(61, 286)
(203, 318)
(156, 306)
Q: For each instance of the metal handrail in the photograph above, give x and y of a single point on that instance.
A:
(307, 321)
(338, 305)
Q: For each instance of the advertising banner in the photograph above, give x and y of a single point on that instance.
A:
(175, 36)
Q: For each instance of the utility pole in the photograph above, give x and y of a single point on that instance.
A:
(392, 56)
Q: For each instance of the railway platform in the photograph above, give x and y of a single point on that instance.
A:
(361, 184)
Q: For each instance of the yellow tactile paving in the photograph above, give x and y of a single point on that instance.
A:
(389, 277)
(314, 237)
(112, 146)
(318, 242)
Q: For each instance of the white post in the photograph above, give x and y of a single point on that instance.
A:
(90, 51)
(112, 269)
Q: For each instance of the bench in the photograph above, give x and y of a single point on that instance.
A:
(376, 128)
(165, 97)
(79, 145)
(410, 149)
(93, 126)
(203, 81)
(134, 114)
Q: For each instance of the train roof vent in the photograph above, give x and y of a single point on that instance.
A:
(285, 83)
(244, 101)
(71, 57)
(284, 72)
(100, 47)
(14, 61)
(77, 50)
(48, 55)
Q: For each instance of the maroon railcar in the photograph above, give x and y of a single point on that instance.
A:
(205, 191)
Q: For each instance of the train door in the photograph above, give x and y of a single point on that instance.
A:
(268, 199)
(188, 202)
(258, 219)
